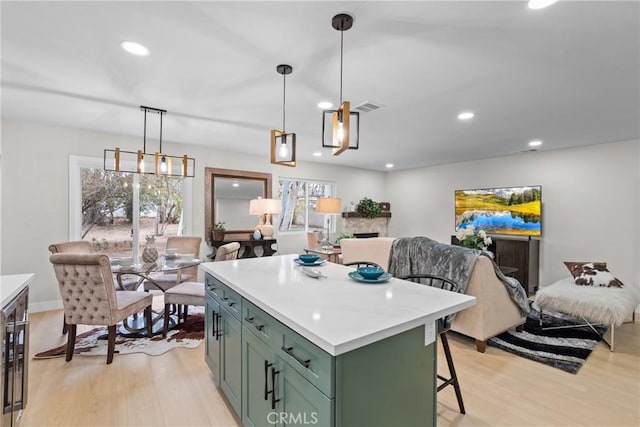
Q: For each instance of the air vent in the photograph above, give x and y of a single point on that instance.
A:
(367, 106)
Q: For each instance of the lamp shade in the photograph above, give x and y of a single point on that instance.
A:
(328, 205)
(265, 206)
(254, 205)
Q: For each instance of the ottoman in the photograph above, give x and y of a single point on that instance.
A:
(596, 305)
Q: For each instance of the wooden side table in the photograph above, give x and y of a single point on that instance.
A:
(333, 254)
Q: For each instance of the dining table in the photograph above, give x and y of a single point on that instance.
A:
(149, 273)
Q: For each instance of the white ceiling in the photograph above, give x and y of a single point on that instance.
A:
(568, 74)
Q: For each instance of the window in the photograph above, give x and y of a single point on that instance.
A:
(115, 211)
(299, 204)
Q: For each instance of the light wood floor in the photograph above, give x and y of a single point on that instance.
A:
(176, 389)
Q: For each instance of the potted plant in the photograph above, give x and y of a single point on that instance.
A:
(368, 208)
(343, 236)
(472, 239)
(218, 230)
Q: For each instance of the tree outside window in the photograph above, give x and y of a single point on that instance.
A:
(299, 204)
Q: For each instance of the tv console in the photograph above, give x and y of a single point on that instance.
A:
(523, 254)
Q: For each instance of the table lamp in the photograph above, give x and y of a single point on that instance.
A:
(328, 206)
(265, 208)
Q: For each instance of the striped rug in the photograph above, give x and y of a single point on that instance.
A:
(565, 349)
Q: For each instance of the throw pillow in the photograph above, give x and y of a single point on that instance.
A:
(592, 274)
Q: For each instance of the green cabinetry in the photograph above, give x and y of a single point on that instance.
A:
(224, 339)
(273, 376)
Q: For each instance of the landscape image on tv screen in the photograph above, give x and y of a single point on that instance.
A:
(509, 210)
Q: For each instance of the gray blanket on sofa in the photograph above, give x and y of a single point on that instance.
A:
(421, 255)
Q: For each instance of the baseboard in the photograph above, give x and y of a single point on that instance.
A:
(45, 306)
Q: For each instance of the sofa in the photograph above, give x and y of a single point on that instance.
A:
(494, 311)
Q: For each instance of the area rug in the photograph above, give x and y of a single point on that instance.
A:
(565, 349)
(94, 343)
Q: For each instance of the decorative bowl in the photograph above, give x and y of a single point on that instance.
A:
(370, 273)
(307, 258)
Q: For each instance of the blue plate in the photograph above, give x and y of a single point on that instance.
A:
(310, 264)
(358, 278)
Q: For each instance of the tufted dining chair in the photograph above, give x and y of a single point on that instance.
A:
(192, 293)
(85, 247)
(184, 245)
(90, 298)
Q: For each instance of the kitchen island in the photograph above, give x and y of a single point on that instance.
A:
(287, 348)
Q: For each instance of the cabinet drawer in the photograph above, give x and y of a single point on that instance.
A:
(232, 301)
(261, 324)
(227, 298)
(315, 364)
(212, 286)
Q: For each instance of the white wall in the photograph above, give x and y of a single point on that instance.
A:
(35, 199)
(590, 201)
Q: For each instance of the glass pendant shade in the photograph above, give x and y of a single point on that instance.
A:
(344, 132)
(283, 148)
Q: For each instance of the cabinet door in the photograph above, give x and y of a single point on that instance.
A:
(231, 359)
(515, 253)
(212, 337)
(300, 402)
(257, 361)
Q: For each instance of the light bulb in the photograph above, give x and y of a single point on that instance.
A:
(163, 164)
(284, 150)
(340, 132)
(141, 166)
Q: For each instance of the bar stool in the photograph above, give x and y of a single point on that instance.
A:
(443, 327)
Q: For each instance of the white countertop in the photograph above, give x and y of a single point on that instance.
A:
(11, 285)
(337, 314)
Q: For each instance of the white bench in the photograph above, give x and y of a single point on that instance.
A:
(596, 305)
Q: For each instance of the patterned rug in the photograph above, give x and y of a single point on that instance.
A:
(565, 349)
(94, 343)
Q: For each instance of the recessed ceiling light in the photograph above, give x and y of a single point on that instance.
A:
(466, 115)
(134, 48)
(535, 143)
(540, 4)
(324, 105)
(388, 165)
(317, 154)
(235, 184)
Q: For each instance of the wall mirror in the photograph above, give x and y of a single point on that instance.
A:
(227, 196)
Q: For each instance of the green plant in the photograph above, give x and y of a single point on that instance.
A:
(344, 236)
(218, 226)
(368, 208)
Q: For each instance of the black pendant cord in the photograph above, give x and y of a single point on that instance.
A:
(341, 58)
(144, 138)
(284, 99)
(161, 132)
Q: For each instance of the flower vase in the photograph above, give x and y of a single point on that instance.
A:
(150, 252)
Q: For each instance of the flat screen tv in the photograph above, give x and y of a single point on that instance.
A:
(508, 210)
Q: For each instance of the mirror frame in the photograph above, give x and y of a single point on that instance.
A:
(210, 175)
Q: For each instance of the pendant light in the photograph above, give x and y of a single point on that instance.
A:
(345, 124)
(283, 144)
(136, 161)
